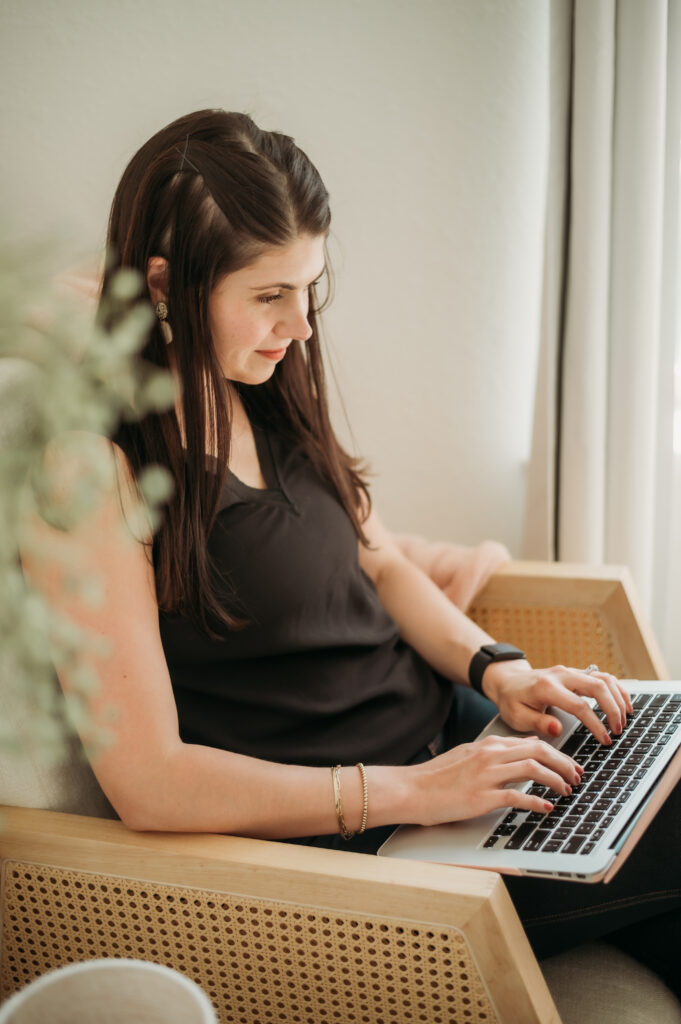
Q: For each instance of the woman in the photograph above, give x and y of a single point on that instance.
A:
(273, 630)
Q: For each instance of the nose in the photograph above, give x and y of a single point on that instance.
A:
(294, 324)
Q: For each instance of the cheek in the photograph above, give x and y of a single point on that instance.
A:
(235, 333)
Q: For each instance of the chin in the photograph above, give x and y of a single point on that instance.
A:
(252, 378)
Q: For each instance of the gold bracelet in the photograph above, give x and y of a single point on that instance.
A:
(365, 797)
(342, 827)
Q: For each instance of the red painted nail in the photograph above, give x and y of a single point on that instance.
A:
(548, 806)
(554, 729)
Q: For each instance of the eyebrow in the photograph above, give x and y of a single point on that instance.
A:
(284, 285)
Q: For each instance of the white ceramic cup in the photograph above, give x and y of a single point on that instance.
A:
(110, 992)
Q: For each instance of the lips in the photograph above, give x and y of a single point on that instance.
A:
(272, 353)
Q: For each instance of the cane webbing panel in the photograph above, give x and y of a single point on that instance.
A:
(258, 961)
(554, 636)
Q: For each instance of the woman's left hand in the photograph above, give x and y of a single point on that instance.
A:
(525, 695)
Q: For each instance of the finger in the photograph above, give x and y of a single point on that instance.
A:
(528, 719)
(530, 770)
(566, 691)
(521, 750)
(581, 710)
(608, 699)
(624, 690)
(518, 801)
(611, 682)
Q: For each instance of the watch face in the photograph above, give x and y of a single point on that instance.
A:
(502, 652)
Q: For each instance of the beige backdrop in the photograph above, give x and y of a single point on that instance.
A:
(429, 123)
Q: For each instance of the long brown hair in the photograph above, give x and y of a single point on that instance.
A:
(210, 193)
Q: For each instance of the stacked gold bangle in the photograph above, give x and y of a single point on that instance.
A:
(342, 827)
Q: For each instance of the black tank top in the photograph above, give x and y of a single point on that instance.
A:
(319, 675)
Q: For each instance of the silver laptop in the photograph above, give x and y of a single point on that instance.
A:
(588, 835)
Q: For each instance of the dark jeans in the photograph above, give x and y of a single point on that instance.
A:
(639, 911)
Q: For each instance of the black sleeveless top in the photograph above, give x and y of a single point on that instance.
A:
(319, 675)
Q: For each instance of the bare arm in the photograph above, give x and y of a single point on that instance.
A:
(156, 781)
(460, 572)
(447, 640)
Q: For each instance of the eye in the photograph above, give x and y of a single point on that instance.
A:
(266, 299)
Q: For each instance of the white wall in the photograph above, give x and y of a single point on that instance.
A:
(429, 124)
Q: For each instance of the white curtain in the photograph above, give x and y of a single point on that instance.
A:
(601, 481)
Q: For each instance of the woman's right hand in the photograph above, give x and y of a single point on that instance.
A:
(470, 779)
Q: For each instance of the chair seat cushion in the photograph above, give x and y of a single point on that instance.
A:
(598, 984)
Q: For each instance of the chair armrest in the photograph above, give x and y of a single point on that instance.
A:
(562, 613)
(260, 924)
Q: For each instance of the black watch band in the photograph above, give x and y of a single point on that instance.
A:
(485, 656)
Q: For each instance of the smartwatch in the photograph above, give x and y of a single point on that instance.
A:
(485, 656)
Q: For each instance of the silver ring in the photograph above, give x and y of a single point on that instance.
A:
(590, 668)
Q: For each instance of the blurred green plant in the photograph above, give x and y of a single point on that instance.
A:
(63, 379)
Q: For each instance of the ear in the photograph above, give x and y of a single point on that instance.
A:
(157, 279)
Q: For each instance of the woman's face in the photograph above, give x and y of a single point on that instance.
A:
(256, 312)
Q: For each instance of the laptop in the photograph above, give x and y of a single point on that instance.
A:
(589, 834)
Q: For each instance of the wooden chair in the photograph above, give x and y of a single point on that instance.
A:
(281, 933)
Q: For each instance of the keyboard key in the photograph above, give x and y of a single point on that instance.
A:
(535, 817)
(589, 846)
(574, 844)
(535, 841)
(537, 790)
(504, 830)
(558, 812)
(552, 846)
(572, 744)
(521, 834)
(491, 842)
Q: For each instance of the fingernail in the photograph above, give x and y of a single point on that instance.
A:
(605, 738)
(554, 729)
(578, 778)
(578, 768)
(548, 806)
(568, 790)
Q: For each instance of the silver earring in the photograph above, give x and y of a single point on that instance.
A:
(161, 311)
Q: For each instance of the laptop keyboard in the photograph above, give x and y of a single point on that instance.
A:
(611, 774)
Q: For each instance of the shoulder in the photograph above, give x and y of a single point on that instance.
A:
(84, 485)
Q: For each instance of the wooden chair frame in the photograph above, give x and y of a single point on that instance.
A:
(275, 932)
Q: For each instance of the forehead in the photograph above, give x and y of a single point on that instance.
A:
(297, 263)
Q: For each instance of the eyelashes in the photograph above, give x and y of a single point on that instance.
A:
(267, 299)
